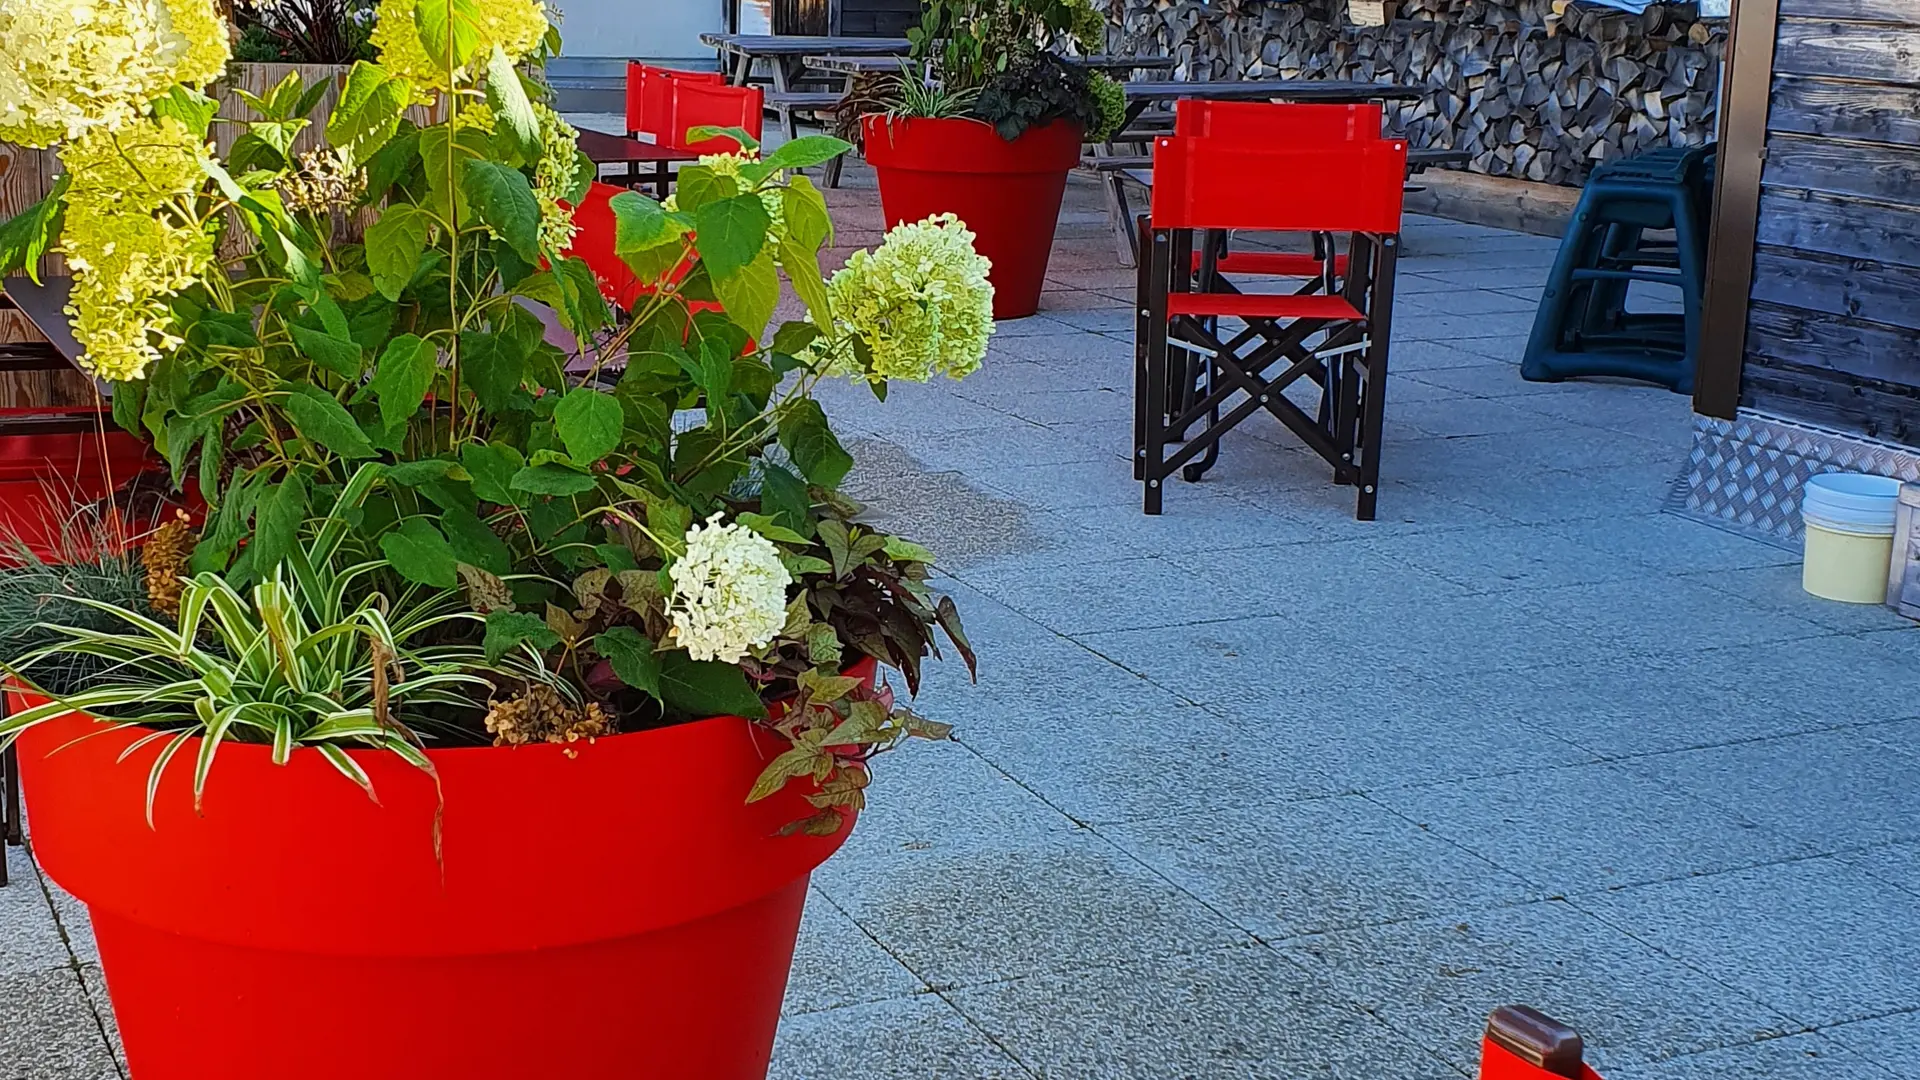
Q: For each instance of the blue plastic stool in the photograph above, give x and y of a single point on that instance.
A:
(1582, 326)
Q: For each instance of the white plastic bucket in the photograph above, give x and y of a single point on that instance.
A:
(1850, 519)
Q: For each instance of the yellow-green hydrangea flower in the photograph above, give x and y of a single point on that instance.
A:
(921, 301)
(517, 26)
(70, 66)
(554, 177)
(131, 240)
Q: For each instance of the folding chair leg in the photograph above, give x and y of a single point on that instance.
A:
(1373, 405)
(1126, 241)
(1154, 387)
(833, 170)
(1142, 338)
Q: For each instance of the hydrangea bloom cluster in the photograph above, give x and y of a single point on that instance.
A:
(554, 177)
(921, 301)
(131, 240)
(729, 592)
(517, 26)
(70, 66)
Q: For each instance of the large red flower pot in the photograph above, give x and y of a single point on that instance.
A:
(601, 911)
(1008, 193)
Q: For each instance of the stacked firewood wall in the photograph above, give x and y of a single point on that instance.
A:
(1536, 89)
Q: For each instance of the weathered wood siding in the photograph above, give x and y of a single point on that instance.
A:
(1833, 329)
(878, 18)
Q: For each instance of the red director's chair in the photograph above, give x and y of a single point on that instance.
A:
(1336, 340)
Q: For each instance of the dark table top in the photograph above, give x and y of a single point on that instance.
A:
(45, 306)
(1327, 90)
(604, 149)
(869, 64)
(797, 45)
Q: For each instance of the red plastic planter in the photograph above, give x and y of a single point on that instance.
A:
(608, 910)
(46, 478)
(1008, 193)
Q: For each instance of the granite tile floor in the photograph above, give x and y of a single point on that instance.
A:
(1254, 791)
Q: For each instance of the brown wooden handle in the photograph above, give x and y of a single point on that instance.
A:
(1536, 1038)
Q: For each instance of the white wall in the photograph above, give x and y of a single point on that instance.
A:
(652, 29)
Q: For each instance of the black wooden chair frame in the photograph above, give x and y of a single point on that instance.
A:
(1348, 362)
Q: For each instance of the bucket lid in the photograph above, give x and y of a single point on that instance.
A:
(1851, 502)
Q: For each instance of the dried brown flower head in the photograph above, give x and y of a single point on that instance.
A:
(165, 556)
(540, 714)
(324, 182)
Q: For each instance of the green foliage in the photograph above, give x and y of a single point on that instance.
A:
(400, 464)
(996, 60)
(304, 31)
(36, 594)
(294, 662)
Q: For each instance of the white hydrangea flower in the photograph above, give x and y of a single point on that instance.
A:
(729, 592)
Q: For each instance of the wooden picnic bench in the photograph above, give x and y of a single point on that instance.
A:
(882, 65)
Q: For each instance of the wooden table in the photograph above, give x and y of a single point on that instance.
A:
(1142, 95)
(786, 53)
(604, 149)
(870, 65)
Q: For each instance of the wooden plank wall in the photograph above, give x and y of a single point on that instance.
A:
(1833, 329)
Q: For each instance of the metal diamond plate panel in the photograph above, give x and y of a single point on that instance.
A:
(1745, 474)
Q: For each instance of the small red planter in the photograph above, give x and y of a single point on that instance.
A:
(45, 477)
(614, 912)
(1008, 193)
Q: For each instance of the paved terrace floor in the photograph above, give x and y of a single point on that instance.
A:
(1253, 790)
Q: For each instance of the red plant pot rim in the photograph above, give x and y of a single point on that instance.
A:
(630, 834)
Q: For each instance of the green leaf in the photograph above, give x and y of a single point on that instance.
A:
(27, 235)
(508, 629)
(394, 245)
(504, 200)
(552, 479)
(421, 554)
(804, 210)
(730, 232)
(803, 270)
(750, 294)
(706, 687)
(631, 654)
(669, 522)
(368, 112)
(449, 30)
(512, 112)
(793, 337)
(321, 419)
(784, 496)
(343, 358)
(805, 434)
(276, 522)
(493, 367)
(589, 423)
(475, 544)
(417, 473)
(768, 527)
(639, 223)
(805, 152)
(492, 467)
(404, 376)
(907, 551)
(582, 306)
(193, 109)
(741, 137)
(697, 185)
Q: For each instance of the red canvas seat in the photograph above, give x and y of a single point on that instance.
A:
(650, 97)
(1190, 372)
(702, 104)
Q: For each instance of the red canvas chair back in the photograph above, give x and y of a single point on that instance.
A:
(1283, 125)
(593, 242)
(1220, 183)
(650, 96)
(698, 104)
